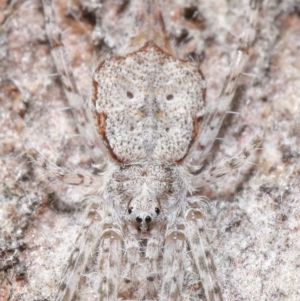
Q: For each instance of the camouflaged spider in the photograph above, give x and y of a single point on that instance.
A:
(146, 224)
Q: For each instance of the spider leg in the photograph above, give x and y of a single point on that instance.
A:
(131, 259)
(192, 289)
(173, 265)
(84, 248)
(63, 175)
(80, 108)
(200, 249)
(109, 260)
(152, 264)
(215, 116)
(141, 270)
(152, 27)
(221, 169)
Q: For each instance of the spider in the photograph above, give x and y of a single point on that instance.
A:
(147, 224)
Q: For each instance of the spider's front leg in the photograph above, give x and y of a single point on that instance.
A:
(200, 249)
(99, 227)
(84, 248)
(109, 260)
(173, 264)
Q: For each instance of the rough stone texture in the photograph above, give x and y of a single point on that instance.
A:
(254, 222)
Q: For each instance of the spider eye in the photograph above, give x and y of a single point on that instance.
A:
(157, 211)
(130, 210)
(139, 220)
(148, 219)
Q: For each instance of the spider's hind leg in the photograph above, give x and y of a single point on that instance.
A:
(214, 117)
(81, 109)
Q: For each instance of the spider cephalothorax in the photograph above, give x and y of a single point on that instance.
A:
(147, 194)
